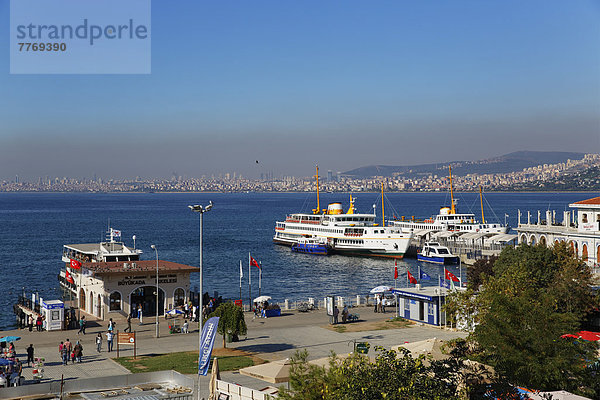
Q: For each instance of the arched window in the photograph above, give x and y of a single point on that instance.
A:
(115, 301)
(543, 240)
(82, 299)
(584, 253)
(179, 297)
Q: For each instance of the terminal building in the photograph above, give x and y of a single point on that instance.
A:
(579, 227)
(108, 277)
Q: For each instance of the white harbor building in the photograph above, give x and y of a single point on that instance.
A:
(579, 227)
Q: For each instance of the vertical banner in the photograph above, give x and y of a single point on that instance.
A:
(206, 344)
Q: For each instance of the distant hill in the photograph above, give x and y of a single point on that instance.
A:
(511, 162)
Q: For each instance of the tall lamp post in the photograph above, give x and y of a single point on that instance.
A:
(156, 251)
(201, 210)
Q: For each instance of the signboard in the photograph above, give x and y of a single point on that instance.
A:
(329, 305)
(126, 338)
(362, 347)
(238, 303)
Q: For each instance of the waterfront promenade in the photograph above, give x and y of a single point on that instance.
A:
(270, 339)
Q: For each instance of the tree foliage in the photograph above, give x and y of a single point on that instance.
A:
(392, 376)
(477, 273)
(533, 296)
(231, 320)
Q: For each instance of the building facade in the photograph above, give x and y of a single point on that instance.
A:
(579, 227)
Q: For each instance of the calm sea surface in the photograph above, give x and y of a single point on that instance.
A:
(34, 227)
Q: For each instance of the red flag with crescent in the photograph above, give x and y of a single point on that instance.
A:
(395, 269)
(68, 277)
(254, 262)
(411, 278)
(75, 264)
(450, 276)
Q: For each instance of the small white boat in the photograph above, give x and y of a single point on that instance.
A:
(433, 252)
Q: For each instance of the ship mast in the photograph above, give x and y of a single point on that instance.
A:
(481, 200)
(382, 207)
(452, 208)
(318, 209)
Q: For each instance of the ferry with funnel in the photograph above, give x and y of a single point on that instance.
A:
(350, 233)
(449, 219)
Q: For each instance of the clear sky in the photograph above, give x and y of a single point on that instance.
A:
(295, 83)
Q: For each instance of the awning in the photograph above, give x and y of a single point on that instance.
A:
(444, 234)
(503, 237)
(422, 232)
(473, 236)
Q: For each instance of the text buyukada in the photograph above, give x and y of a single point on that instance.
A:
(83, 31)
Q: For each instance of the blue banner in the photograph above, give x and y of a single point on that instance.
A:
(206, 344)
(444, 284)
(424, 276)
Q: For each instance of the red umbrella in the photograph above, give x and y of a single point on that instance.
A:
(585, 335)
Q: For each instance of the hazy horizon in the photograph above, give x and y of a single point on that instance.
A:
(296, 84)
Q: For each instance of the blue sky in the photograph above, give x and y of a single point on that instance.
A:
(342, 84)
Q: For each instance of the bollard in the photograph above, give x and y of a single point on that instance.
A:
(286, 304)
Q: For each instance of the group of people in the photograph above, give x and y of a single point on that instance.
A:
(69, 352)
(10, 375)
(336, 314)
(39, 322)
(379, 303)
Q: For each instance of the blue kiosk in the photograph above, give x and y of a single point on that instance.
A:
(422, 304)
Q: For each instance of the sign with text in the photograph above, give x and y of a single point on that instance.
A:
(80, 37)
(126, 338)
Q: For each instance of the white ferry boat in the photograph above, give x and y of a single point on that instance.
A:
(449, 219)
(349, 233)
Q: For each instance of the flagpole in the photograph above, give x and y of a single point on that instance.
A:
(419, 274)
(460, 271)
(241, 276)
(259, 279)
(249, 283)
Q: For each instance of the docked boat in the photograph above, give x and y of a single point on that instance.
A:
(433, 252)
(449, 219)
(350, 232)
(311, 246)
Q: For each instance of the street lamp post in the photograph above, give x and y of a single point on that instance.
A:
(156, 251)
(201, 210)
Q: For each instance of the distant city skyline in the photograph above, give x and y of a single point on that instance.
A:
(291, 85)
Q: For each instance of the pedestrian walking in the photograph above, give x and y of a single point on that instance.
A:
(78, 351)
(38, 323)
(336, 312)
(29, 355)
(30, 323)
(111, 325)
(128, 329)
(185, 328)
(140, 316)
(81, 325)
(64, 353)
(99, 342)
(109, 340)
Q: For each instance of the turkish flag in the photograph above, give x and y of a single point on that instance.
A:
(395, 269)
(75, 264)
(68, 277)
(450, 275)
(411, 278)
(254, 262)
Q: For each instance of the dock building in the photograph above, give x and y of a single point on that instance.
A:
(579, 227)
(109, 277)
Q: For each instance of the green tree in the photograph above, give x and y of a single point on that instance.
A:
(533, 297)
(392, 376)
(231, 321)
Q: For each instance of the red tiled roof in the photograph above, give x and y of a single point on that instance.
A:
(595, 200)
(140, 266)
